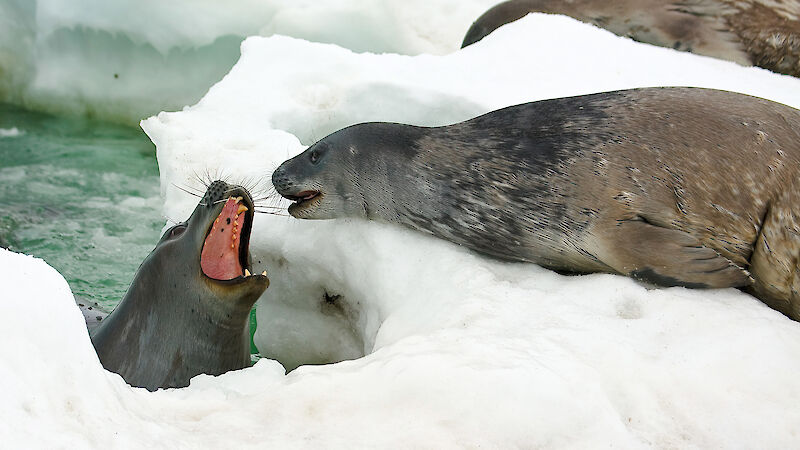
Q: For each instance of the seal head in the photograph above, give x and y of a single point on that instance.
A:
(327, 180)
(187, 309)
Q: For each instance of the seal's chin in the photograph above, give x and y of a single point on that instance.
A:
(224, 256)
(304, 202)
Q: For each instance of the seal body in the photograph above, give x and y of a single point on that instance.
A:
(676, 186)
(762, 33)
(187, 309)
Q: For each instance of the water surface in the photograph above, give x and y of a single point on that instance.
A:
(83, 195)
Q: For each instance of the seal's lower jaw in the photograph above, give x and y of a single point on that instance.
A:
(225, 257)
(304, 203)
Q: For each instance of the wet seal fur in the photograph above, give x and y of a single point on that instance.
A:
(675, 186)
(175, 321)
(763, 33)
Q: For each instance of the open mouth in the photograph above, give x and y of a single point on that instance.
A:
(303, 197)
(225, 255)
(303, 200)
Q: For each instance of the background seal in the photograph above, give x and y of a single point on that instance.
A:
(750, 32)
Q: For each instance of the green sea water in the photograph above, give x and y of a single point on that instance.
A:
(81, 194)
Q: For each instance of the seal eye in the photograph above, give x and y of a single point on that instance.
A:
(314, 156)
(176, 231)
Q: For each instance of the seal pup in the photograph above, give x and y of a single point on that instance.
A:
(674, 186)
(763, 33)
(187, 309)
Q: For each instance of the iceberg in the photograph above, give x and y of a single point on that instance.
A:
(122, 61)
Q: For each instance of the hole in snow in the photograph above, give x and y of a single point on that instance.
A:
(630, 309)
(300, 323)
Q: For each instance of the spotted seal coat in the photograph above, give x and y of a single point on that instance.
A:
(187, 309)
(763, 33)
(675, 186)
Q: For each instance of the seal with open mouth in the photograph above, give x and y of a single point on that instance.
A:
(187, 309)
(675, 186)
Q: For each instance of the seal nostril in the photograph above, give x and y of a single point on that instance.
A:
(281, 181)
(278, 175)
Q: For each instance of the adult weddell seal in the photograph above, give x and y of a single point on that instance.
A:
(764, 33)
(187, 309)
(674, 186)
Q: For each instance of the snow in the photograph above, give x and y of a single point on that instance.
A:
(439, 348)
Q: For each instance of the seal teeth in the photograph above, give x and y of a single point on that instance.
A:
(247, 273)
(241, 209)
(264, 273)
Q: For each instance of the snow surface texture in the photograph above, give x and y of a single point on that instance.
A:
(460, 351)
(126, 60)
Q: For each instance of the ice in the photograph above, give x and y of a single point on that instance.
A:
(440, 348)
(125, 60)
(10, 132)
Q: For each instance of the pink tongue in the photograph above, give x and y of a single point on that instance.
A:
(220, 256)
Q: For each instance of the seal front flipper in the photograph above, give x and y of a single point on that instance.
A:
(668, 257)
(775, 262)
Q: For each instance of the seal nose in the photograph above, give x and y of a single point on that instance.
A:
(215, 192)
(280, 180)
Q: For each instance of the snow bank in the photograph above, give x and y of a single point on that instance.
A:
(123, 61)
(480, 354)
(459, 351)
